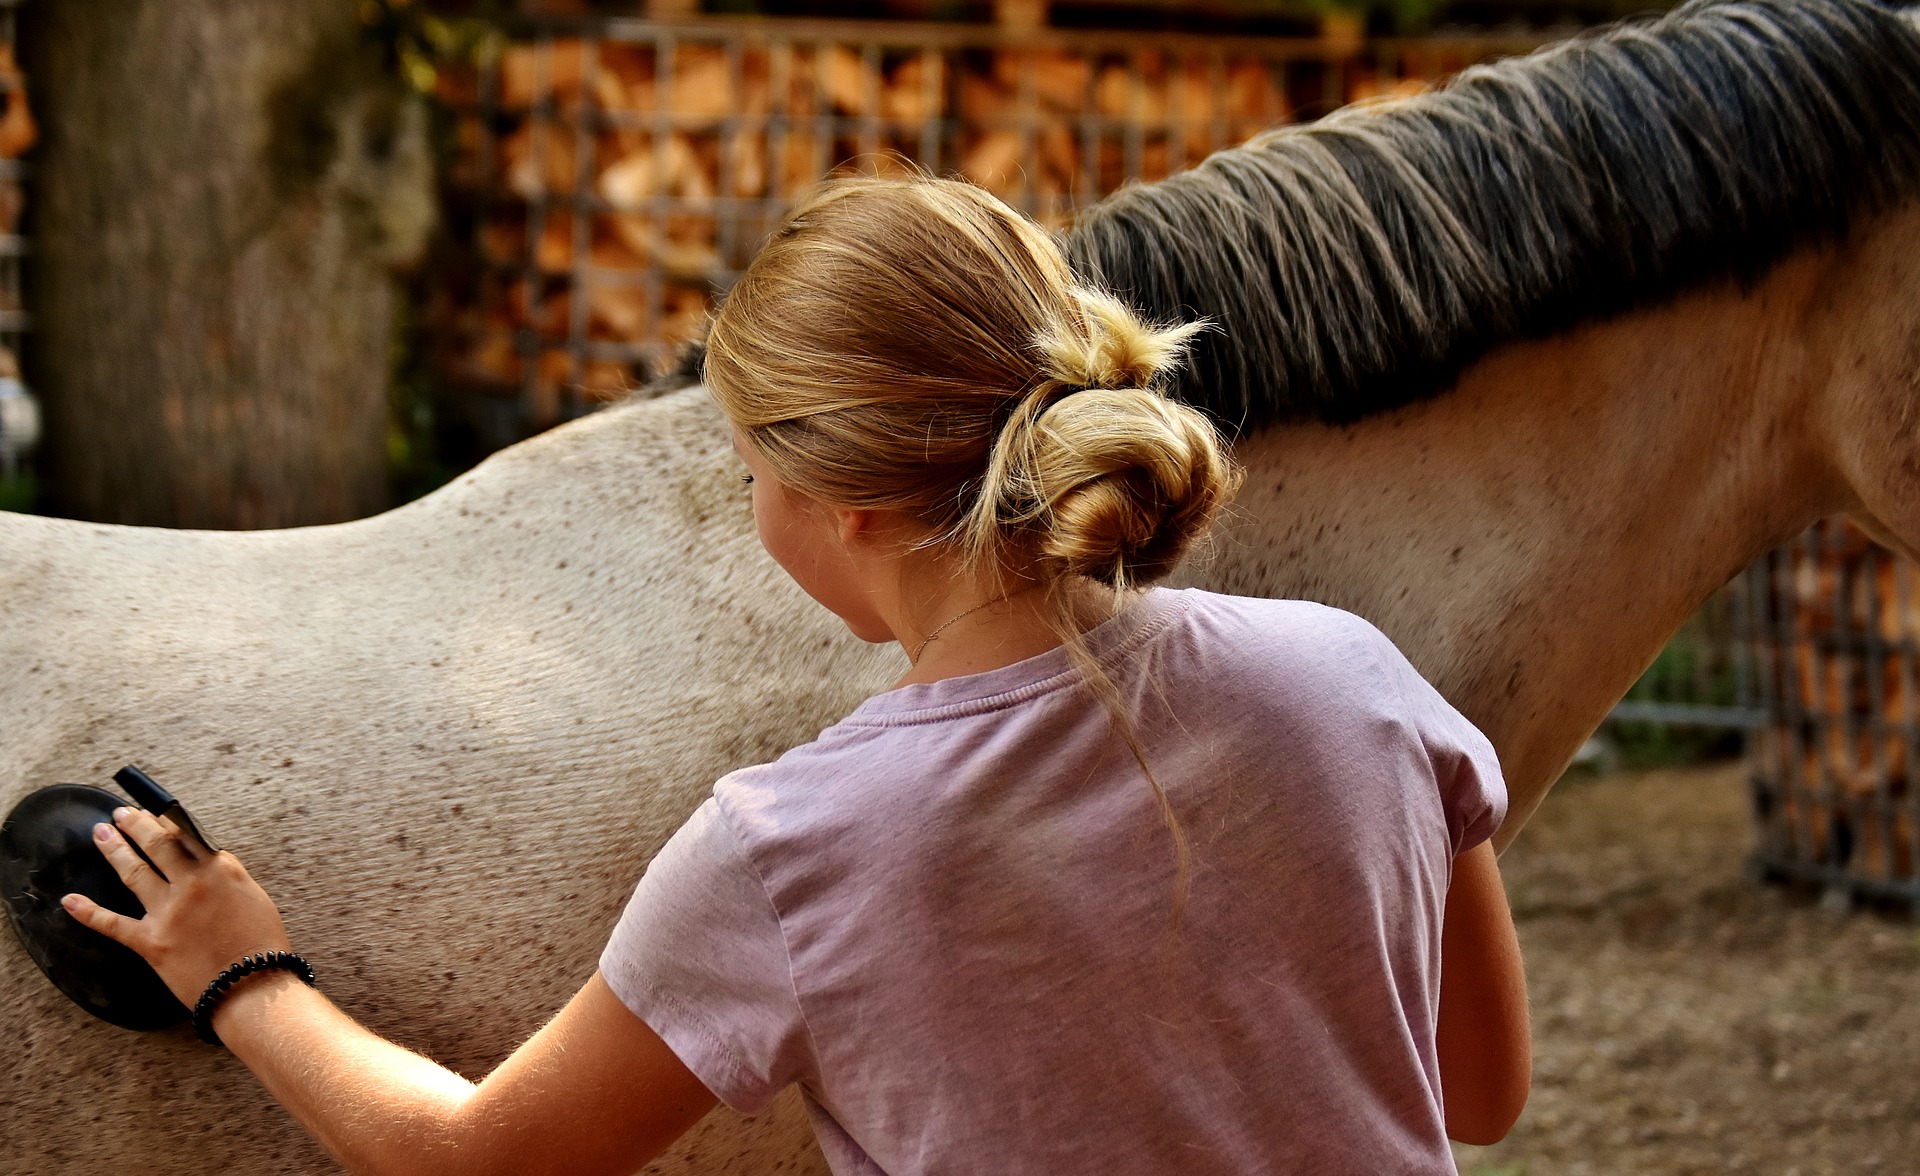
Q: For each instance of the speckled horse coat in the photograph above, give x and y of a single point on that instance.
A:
(449, 738)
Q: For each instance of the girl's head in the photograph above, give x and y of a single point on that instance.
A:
(917, 346)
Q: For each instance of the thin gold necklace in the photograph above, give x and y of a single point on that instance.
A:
(913, 659)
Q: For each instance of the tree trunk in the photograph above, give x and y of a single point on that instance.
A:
(222, 188)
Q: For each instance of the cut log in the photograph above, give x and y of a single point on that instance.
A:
(550, 71)
(17, 129)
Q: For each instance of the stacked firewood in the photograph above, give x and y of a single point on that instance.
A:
(19, 412)
(17, 134)
(1839, 754)
(628, 182)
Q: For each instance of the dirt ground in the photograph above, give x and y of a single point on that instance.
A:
(1689, 1019)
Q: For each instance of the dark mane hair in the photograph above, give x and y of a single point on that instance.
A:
(1359, 263)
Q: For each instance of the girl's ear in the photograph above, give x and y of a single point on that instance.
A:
(854, 526)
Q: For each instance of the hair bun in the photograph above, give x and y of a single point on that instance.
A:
(1129, 480)
(1096, 473)
(1115, 349)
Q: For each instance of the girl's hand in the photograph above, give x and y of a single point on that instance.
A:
(203, 911)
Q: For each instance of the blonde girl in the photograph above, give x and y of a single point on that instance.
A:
(1115, 879)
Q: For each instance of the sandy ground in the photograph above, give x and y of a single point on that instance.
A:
(1688, 1019)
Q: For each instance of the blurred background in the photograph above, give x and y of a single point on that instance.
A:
(269, 263)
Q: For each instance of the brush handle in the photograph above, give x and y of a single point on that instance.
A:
(161, 803)
(144, 791)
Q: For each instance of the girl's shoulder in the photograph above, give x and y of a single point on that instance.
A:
(1274, 618)
(1289, 638)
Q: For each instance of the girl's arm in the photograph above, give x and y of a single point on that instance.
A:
(595, 1091)
(1484, 1040)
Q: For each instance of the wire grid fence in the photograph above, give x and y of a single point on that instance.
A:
(1833, 621)
(613, 177)
(1698, 697)
(1813, 654)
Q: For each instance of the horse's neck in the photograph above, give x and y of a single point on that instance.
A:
(1532, 538)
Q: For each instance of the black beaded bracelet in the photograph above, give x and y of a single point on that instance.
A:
(220, 985)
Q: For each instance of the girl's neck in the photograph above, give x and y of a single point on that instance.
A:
(971, 630)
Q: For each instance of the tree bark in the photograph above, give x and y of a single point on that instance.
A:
(222, 190)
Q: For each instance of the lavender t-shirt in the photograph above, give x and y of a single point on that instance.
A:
(950, 918)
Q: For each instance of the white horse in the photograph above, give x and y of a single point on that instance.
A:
(447, 739)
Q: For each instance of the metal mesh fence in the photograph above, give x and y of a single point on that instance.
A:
(612, 178)
(1698, 699)
(1833, 621)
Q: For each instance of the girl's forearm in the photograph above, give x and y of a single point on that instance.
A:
(1483, 1037)
(595, 1091)
(378, 1108)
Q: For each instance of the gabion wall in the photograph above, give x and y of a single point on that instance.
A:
(1834, 624)
(613, 177)
(19, 413)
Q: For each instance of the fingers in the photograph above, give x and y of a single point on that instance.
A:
(114, 926)
(146, 883)
(158, 839)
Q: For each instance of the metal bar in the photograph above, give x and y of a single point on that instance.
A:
(915, 34)
(1218, 132)
(733, 128)
(932, 107)
(823, 125)
(1133, 133)
(579, 291)
(1833, 877)
(666, 63)
(1682, 714)
(533, 280)
(1881, 799)
(869, 124)
(1333, 84)
(1177, 116)
(1904, 593)
(1092, 138)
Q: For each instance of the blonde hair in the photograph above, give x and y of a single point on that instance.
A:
(916, 345)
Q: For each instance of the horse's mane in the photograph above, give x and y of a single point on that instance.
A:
(1359, 263)
(684, 369)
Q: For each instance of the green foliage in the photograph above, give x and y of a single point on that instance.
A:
(417, 455)
(21, 492)
(1697, 666)
(1399, 15)
(420, 43)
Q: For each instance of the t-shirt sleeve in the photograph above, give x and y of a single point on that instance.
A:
(1472, 789)
(699, 956)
